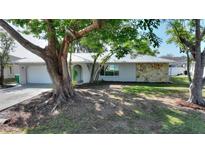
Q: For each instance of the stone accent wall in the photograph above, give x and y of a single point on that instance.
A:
(152, 72)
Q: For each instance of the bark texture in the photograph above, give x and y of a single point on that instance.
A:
(197, 82)
(2, 75)
(58, 71)
(196, 86)
(188, 67)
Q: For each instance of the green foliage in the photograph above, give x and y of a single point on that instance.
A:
(124, 36)
(38, 27)
(121, 35)
(6, 46)
(182, 28)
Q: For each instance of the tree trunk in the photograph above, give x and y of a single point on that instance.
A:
(188, 67)
(57, 68)
(196, 86)
(93, 71)
(197, 83)
(70, 64)
(2, 76)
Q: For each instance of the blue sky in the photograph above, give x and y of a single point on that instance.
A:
(164, 48)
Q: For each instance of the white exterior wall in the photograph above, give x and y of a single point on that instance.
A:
(22, 73)
(8, 74)
(173, 71)
(127, 73)
(85, 72)
(38, 74)
(35, 71)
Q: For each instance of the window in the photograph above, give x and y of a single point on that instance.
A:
(110, 70)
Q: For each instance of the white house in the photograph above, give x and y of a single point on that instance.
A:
(127, 69)
(178, 66)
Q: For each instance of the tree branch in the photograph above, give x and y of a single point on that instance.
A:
(74, 35)
(53, 44)
(183, 40)
(187, 43)
(25, 43)
(202, 34)
(52, 39)
(95, 25)
(71, 33)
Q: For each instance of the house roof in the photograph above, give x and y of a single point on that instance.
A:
(88, 58)
(178, 60)
(13, 58)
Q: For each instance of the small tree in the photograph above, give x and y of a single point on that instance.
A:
(175, 30)
(129, 36)
(6, 46)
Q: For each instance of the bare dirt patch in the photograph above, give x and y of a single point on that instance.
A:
(183, 103)
(97, 109)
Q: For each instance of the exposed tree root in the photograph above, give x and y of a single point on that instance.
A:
(198, 101)
(62, 98)
(190, 105)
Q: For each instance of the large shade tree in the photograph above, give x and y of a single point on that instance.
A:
(190, 36)
(60, 34)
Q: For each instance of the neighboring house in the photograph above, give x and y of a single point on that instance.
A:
(127, 69)
(11, 69)
(178, 66)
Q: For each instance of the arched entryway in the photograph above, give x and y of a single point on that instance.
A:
(77, 73)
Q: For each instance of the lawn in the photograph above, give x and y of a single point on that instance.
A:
(178, 85)
(113, 108)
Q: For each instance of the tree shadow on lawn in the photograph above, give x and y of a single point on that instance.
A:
(106, 109)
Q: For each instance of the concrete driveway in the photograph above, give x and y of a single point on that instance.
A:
(15, 95)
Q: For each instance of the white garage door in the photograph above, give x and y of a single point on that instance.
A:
(38, 74)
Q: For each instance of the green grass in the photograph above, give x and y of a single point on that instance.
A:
(57, 125)
(176, 121)
(178, 85)
(169, 120)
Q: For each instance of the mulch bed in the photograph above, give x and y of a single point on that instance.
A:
(19, 116)
(189, 105)
(32, 112)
